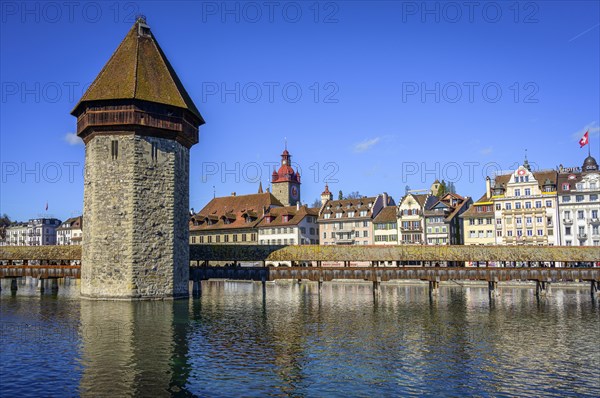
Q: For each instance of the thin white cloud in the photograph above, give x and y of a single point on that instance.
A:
(592, 127)
(72, 139)
(584, 32)
(486, 150)
(366, 144)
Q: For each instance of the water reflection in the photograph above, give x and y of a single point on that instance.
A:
(301, 343)
(140, 348)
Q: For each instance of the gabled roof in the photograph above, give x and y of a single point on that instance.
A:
(235, 210)
(386, 215)
(71, 223)
(296, 215)
(347, 205)
(138, 69)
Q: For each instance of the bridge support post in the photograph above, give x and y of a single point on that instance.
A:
(54, 285)
(434, 287)
(493, 288)
(376, 287)
(542, 288)
(196, 288)
(593, 289)
(320, 285)
(40, 285)
(263, 282)
(13, 285)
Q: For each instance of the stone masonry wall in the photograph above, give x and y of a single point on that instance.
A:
(135, 244)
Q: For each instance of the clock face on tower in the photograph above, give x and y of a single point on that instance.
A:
(294, 192)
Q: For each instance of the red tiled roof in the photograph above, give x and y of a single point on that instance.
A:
(231, 212)
(276, 215)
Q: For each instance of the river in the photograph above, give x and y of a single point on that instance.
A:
(231, 343)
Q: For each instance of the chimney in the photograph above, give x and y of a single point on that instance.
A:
(233, 194)
(385, 199)
(488, 187)
(298, 205)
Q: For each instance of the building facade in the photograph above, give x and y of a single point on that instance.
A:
(289, 225)
(231, 219)
(579, 204)
(138, 124)
(350, 221)
(385, 226)
(525, 207)
(443, 226)
(70, 232)
(411, 219)
(16, 235)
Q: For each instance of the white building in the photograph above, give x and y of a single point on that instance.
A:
(42, 231)
(579, 204)
(16, 235)
(70, 232)
(525, 207)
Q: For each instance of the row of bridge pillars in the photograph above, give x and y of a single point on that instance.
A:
(40, 285)
(542, 288)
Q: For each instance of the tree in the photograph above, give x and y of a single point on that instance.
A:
(4, 222)
(316, 203)
(451, 187)
(442, 190)
(340, 195)
(353, 195)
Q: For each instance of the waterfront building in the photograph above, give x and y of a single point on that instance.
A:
(231, 219)
(579, 204)
(285, 182)
(289, 225)
(70, 231)
(138, 124)
(16, 235)
(411, 221)
(42, 231)
(349, 221)
(478, 220)
(385, 226)
(443, 226)
(525, 207)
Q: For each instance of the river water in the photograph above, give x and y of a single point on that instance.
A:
(231, 343)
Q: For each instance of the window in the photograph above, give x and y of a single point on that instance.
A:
(594, 213)
(517, 192)
(580, 214)
(539, 220)
(518, 205)
(529, 232)
(193, 239)
(471, 222)
(527, 191)
(568, 243)
(365, 224)
(593, 198)
(338, 215)
(114, 149)
(518, 220)
(498, 206)
(567, 215)
(528, 205)
(365, 234)
(363, 213)
(508, 206)
(579, 198)
(548, 203)
(538, 204)
(566, 199)
(540, 232)
(579, 186)
(324, 235)
(566, 187)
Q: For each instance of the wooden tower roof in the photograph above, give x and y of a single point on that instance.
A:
(139, 70)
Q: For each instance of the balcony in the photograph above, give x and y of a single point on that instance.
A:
(498, 226)
(582, 236)
(567, 221)
(595, 221)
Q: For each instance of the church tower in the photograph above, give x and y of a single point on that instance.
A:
(286, 182)
(138, 124)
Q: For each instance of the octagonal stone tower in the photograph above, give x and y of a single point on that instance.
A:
(138, 124)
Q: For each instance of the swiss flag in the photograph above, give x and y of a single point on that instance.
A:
(46, 206)
(584, 140)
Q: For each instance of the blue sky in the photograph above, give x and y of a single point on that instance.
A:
(371, 97)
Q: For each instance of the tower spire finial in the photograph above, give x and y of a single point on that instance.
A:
(285, 139)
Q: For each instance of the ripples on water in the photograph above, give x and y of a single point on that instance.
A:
(230, 343)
